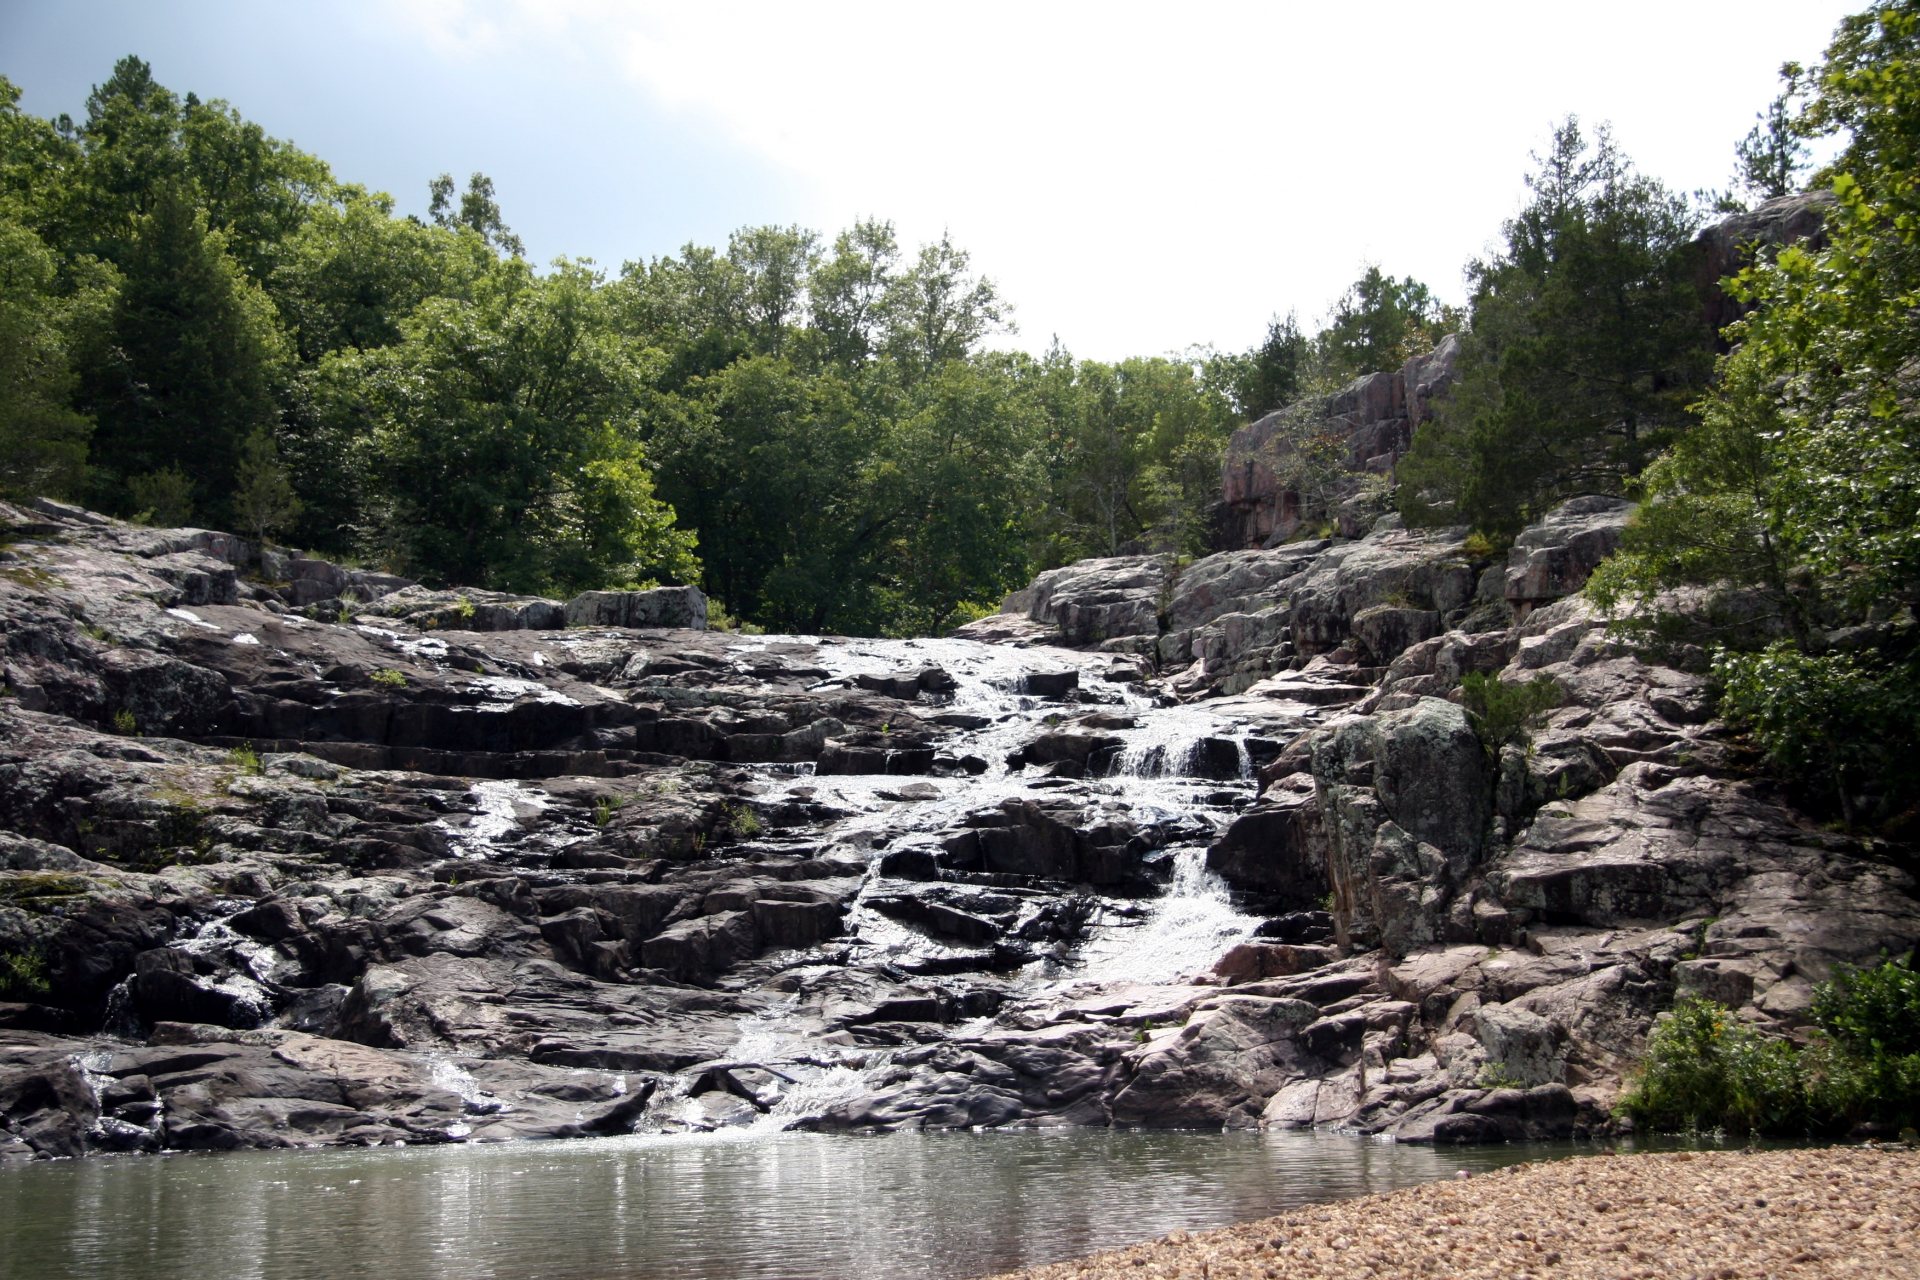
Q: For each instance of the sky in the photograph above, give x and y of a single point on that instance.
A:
(1136, 179)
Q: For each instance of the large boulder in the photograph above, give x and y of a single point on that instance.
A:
(1096, 600)
(1554, 557)
(675, 608)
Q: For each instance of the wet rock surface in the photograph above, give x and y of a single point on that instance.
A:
(298, 855)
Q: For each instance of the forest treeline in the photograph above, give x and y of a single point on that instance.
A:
(203, 324)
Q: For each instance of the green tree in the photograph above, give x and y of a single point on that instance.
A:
(1770, 161)
(1797, 500)
(263, 499)
(1377, 324)
(774, 264)
(937, 312)
(43, 442)
(1273, 373)
(1586, 342)
(500, 440)
(193, 355)
(849, 290)
(478, 211)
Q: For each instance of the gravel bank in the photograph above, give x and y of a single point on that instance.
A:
(1839, 1211)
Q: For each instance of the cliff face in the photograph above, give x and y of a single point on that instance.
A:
(1375, 416)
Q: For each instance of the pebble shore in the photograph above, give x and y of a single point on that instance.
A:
(1837, 1211)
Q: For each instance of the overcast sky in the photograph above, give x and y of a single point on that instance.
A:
(1136, 178)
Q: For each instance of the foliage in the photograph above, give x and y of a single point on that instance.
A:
(388, 678)
(1586, 344)
(23, 974)
(499, 444)
(1796, 501)
(477, 212)
(1274, 372)
(1835, 723)
(1873, 1010)
(1502, 713)
(1769, 161)
(43, 441)
(245, 759)
(263, 497)
(1705, 1068)
(1379, 323)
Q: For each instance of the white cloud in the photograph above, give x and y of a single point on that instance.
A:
(1138, 178)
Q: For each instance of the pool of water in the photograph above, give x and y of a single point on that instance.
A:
(788, 1205)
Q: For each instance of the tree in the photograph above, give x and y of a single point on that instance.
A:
(774, 265)
(1769, 161)
(1377, 324)
(1586, 342)
(1273, 373)
(500, 440)
(1798, 497)
(263, 497)
(43, 442)
(849, 290)
(193, 355)
(936, 312)
(478, 212)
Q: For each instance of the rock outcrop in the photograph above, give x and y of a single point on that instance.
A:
(1375, 415)
(1212, 845)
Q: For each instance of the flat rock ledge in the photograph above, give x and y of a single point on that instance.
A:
(1838, 1211)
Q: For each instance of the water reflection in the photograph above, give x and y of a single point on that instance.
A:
(778, 1205)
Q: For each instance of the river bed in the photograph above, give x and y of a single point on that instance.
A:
(790, 1205)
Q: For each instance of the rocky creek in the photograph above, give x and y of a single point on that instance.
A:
(295, 855)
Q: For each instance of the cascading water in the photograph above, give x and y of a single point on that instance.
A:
(1177, 766)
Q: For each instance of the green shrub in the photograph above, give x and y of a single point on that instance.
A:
(23, 975)
(1503, 713)
(246, 760)
(1705, 1069)
(161, 498)
(463, 609)
(1832, 723)
(388, 678)
(743, 822)
(124, 724)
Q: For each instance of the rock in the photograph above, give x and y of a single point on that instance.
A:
(1722, 249)
(406, 878)
(679, 608)
(1555, 557)
(1094, 600)
(1217, 1070)
(1375, 415)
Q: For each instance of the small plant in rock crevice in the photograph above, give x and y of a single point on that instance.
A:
(1503, 713)
(388, 678)
(245, 759)
(23, 974)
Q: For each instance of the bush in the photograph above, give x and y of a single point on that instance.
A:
(1502, 713)
(1833, 723)
(23, 975)
(1705, 1069)
(162, 498)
